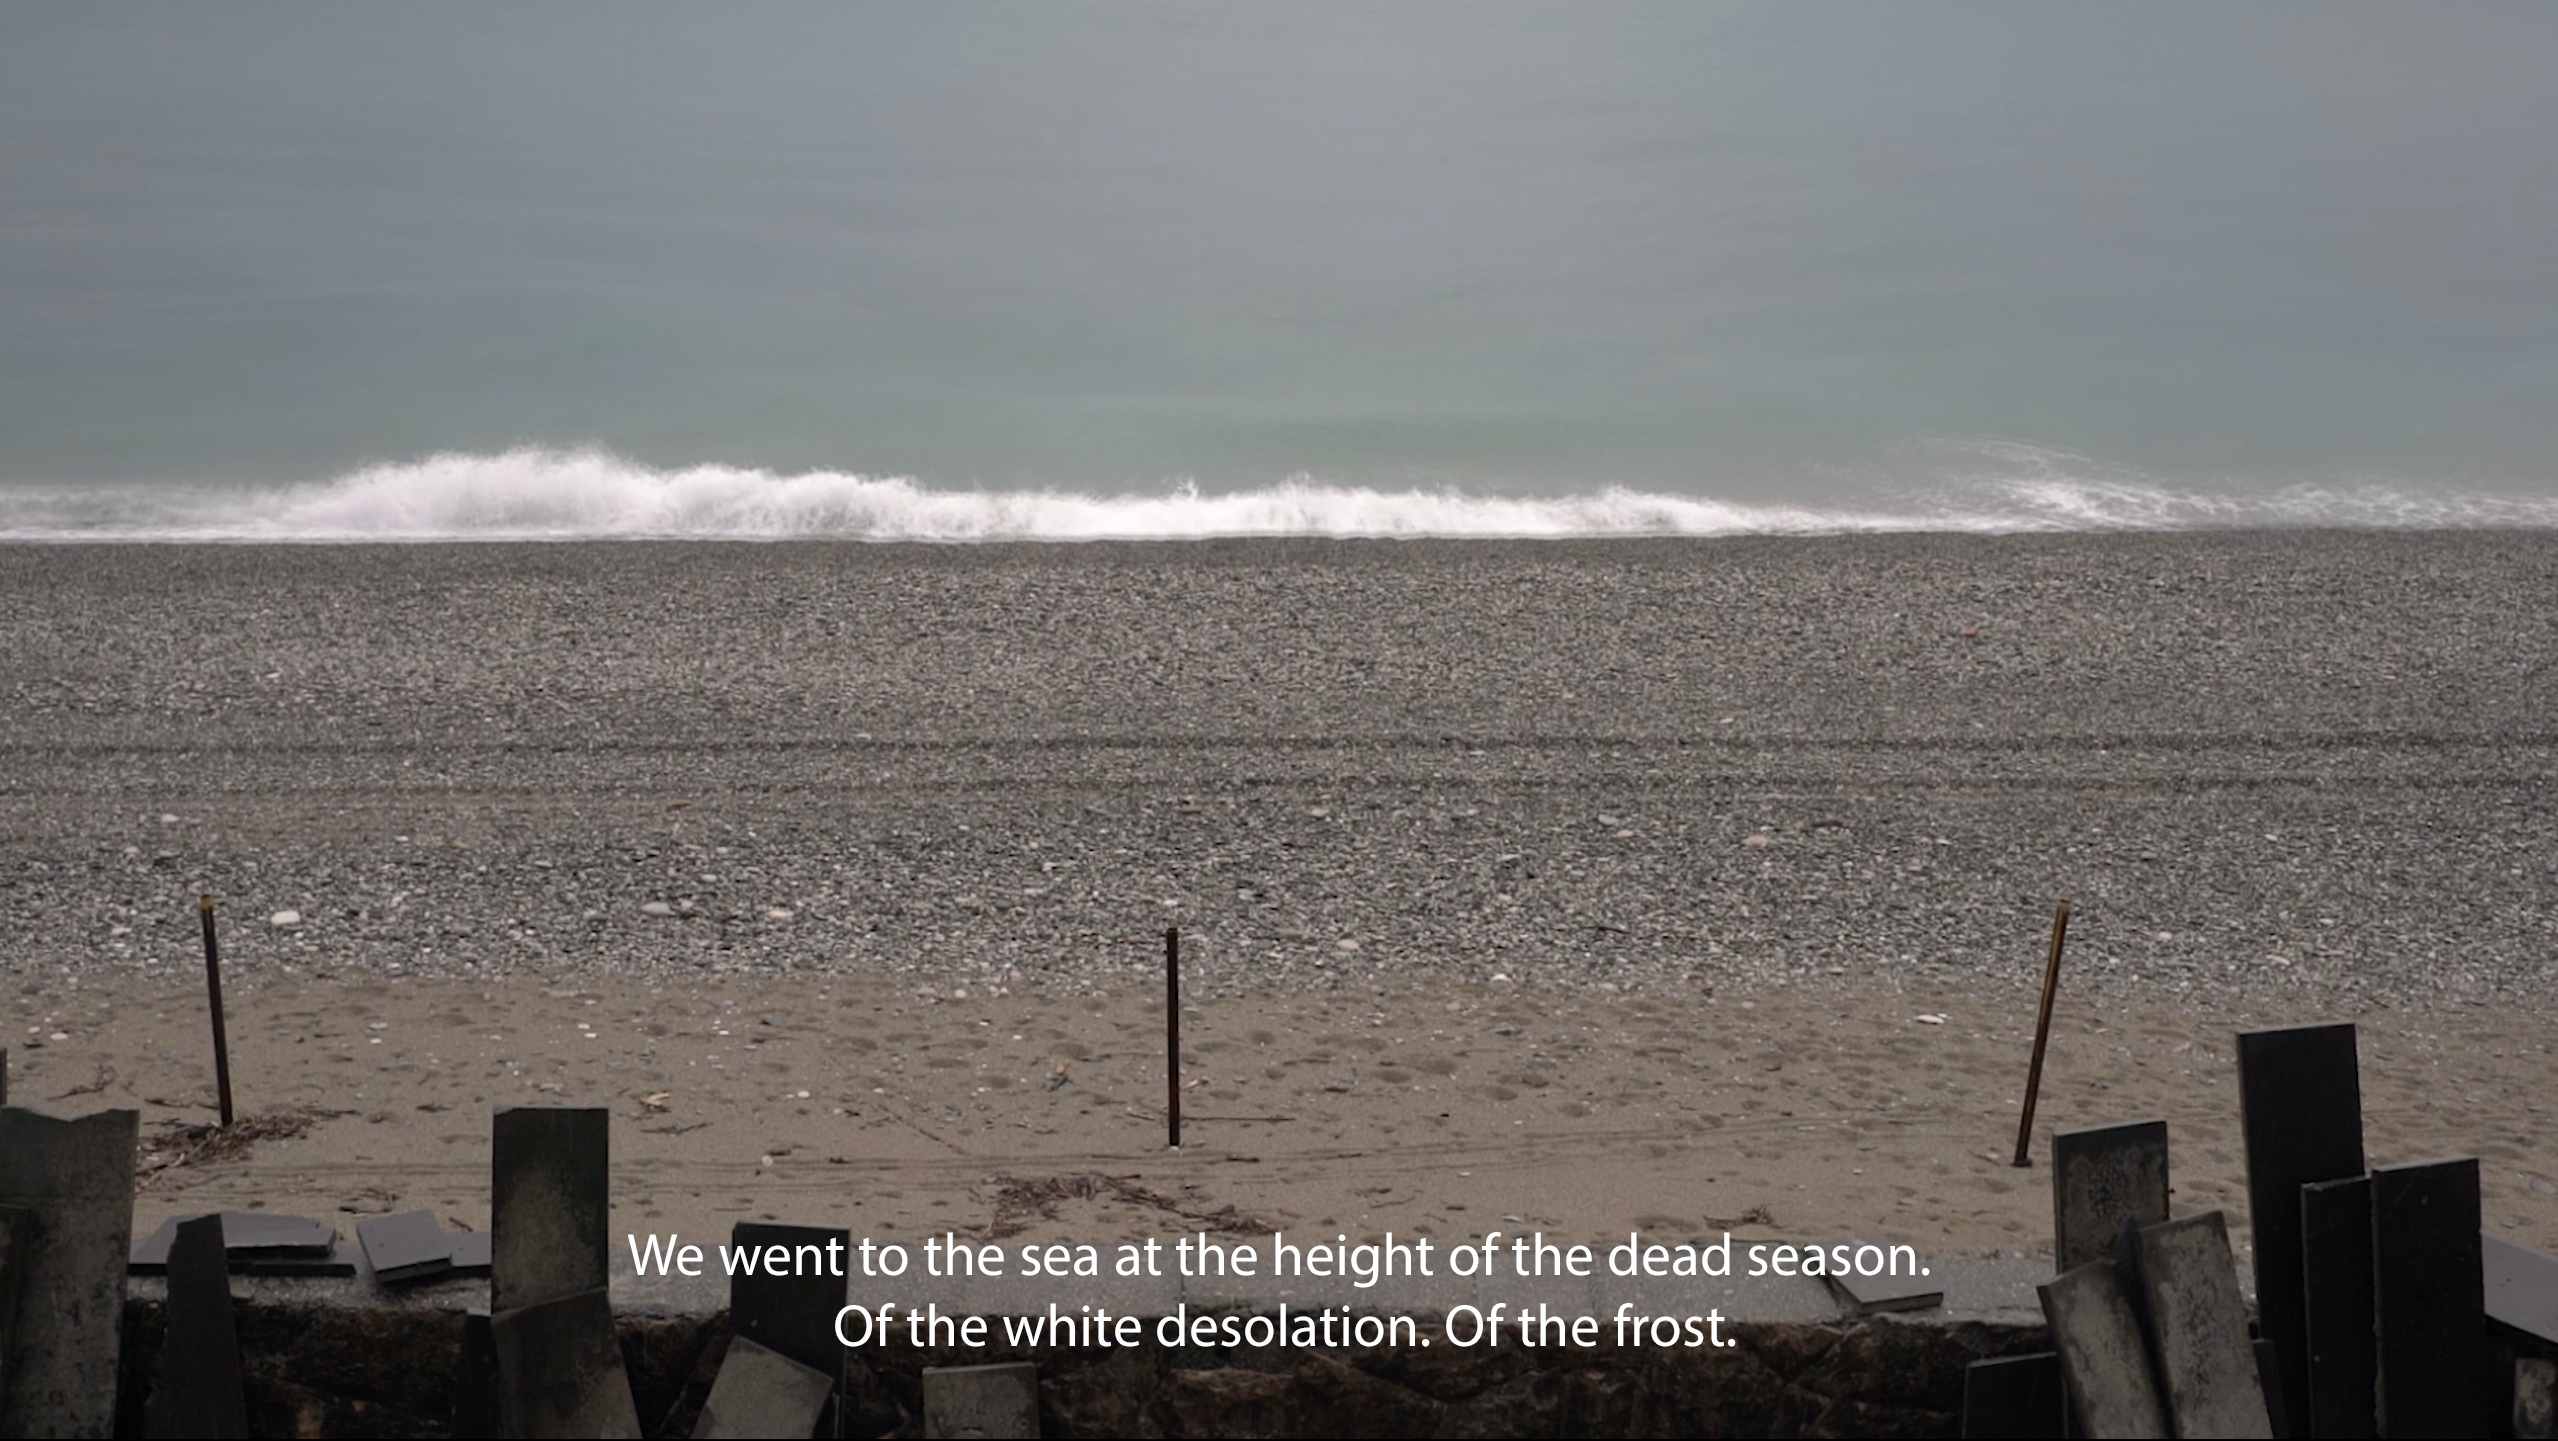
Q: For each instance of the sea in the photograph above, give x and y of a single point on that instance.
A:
(970, 272)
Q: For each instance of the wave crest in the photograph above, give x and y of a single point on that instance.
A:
(540, 494)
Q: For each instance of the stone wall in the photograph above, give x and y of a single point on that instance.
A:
(335, 1369)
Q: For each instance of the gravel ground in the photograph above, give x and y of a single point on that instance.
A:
(2264, 767)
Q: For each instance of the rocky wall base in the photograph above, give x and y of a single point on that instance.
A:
(356, 1371)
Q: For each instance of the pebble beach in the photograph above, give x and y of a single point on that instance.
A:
(1594, 883)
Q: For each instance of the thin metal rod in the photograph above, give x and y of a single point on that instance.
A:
(2042, 1036)
(213, 992)
(1172, 1033)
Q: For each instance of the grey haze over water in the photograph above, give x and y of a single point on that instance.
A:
(961, 270)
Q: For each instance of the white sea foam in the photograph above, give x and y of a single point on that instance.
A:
(534, 494)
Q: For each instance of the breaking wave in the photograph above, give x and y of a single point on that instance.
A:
(538, 494)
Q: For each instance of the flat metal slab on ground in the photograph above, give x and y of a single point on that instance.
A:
(341, 1259)
(249, 1236)
(471, 1253)
(2521, 1287)
(405, 1246)
(1872, 1295)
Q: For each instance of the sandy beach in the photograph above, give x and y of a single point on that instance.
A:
(1582, 886)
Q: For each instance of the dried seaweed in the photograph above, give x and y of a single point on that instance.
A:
(1017, 1199)
(179, 1144)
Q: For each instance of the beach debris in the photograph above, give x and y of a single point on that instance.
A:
(656, 1100)
(99, 1080)
(257, 1243)
(1929, 1019)
(179, 1144)
(1017, 1199)
(405, 1246)
(1057, 1075)
(285, 918)
(370, 1201)
(2522, 1287)
(1865, 1295)
(1755, 1216)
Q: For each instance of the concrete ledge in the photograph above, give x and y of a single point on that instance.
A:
(346, 1358)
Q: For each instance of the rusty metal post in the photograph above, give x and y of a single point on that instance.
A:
(213, 992)
(1172, 1033)
(2042, 1035)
